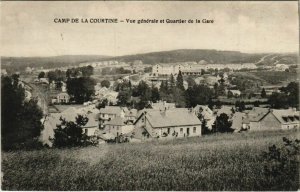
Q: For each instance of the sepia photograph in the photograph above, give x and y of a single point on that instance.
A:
(150, 96)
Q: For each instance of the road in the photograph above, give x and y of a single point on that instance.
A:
(41, 96)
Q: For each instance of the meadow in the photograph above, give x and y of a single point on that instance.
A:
(276, 77)
(212, 162)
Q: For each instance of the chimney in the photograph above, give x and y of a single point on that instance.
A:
(163, 112)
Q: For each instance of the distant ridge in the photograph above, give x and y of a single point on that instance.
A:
(207, 55)
(173, 56)
(19, 63)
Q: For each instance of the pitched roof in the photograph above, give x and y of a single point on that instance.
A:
(286, 116)
(111, 110)
(172, 118)
(206, 111)
(162, 105)
(225, 109)
(116, 121)
(107, 136)
(238, 92)
(257, 113)
(63, 94)
(131, 113)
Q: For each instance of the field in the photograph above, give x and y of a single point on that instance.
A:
(276, 77)
(214, 162)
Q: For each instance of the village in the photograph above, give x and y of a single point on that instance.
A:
(150, 96)
(113, 118)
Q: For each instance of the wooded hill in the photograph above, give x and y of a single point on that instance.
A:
(182, 55)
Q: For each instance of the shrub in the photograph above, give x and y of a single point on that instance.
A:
(281, 162)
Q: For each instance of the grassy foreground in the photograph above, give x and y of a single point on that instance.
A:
(217, 162)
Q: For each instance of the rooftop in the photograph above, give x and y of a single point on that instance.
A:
(172, 118)
(112, 110)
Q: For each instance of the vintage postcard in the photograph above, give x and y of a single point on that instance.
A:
(150, 96)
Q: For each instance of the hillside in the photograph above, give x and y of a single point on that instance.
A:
(230, 162)
(183, 55)
(273, 59)
(19, 63)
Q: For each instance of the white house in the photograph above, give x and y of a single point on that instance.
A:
(110, 112)
(172, 123)
(235, 93)
(118, 126)
(53, 119)
(206, 113)
(62, 98)
(281, 67)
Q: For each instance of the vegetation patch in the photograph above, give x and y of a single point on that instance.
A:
(214, 162)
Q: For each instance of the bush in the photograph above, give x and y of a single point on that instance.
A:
(281, 162)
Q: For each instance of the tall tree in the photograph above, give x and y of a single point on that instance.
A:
(20, 120)
(172, 81)
(41, 74)
(105, 83)
(155, 94)
(179, 81)
(198, 94)
(263, 93)
(222, 124)
(81, 89)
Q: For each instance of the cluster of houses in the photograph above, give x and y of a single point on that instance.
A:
(163, 120)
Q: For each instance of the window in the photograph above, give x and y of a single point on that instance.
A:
(102, 115)
(194, 130)
(85, 131)
(181, 130)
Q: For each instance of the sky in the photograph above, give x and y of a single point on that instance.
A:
(28, 28)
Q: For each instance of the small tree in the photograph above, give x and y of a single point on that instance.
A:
(240, 105)
(263, 93)
(41, 75)
(172, 81)
(229, 94)
(102, 104)
(69, 133)
(222, 124)
(179, 81)
(105, 83)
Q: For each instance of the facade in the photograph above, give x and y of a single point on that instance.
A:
(62, 98)
(110, 112)
(118, 126)
(235, 93)
(105, 93)
(131, 115)
(272, 119)
(253, 117)
(172, 123)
